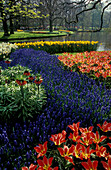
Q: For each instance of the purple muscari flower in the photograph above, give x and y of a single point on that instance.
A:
(69, 95)
(15, 160)
(29, 164)
(1, 151)
(15, 142)
(18, 165)
(27, 155)
(28, 146)
(8, 163)
(35, 162)
(25, 163)
(35, 154)
(20, 146)
(31, 139)
(19, 158)
(14, 149)
(38, 134)
(1, 166)
(30, 152)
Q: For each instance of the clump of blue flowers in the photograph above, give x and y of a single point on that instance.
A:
(71, 97)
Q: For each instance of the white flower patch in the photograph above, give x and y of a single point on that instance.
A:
(6, 48)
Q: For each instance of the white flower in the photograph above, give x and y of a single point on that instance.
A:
(6, 48)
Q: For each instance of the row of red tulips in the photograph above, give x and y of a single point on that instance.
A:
(84, 145)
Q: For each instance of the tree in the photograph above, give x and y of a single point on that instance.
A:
(69, 11)
(51, 8)
(10, 9)
(82, 6)
(3, 17)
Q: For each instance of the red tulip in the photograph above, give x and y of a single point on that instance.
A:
(75, 137)
(77, 151)
(87, 139)
(85, 130)
(41, 149)
(45, 164)
(69, 159)
(109, 144)
(59, 138)
(105, 127)
(107, 166)
(90, 165)
(32, 167)
(97, 139)
(66, 151)
(101, 151)
(86, 152)
(74, 127)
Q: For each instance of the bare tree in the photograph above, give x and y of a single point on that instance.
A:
(68, 11)
(81, 6)
(52, 8)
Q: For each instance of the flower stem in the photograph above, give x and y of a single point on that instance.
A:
(38, 88)
(22, 91)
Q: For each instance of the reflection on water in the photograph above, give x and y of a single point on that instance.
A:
(104, 39)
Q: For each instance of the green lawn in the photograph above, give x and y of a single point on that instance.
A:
(24, 34)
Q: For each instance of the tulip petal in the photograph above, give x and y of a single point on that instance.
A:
(104, 165)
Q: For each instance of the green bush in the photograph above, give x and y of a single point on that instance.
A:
(20, 97)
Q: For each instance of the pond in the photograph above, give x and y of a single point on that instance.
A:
(104, 39)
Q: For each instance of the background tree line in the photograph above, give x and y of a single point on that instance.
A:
(53, 14)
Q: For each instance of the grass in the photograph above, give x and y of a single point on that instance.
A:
(27, 35)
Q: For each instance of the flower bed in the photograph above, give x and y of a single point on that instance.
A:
(71, 98)
(19, 30)
(83, 148)
(43, 32)
(53, 47)
(95, 64)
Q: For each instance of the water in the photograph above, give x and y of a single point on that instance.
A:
(104, 39)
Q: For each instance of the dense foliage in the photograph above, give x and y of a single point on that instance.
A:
(20, 95)
(71, 97)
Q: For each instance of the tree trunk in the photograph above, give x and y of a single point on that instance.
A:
(11, 25)
(43, 23)
(50, 22)
(5, 26)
